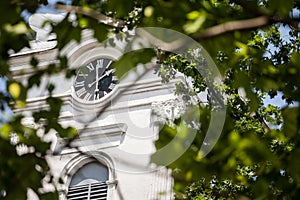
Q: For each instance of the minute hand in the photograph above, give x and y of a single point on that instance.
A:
(101, 77)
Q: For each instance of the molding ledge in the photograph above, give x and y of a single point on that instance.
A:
(92, 138)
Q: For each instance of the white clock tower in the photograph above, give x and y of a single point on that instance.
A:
(116, 122)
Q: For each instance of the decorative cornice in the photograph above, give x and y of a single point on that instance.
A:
(128, 90)
(92, 138)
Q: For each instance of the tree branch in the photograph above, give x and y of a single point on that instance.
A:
(233, 26)
(260, 11)
(264, 18)
(95, 15)
(246, 24)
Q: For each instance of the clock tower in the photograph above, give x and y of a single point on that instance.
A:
(116, 120)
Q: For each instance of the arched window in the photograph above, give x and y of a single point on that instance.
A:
(89, 182)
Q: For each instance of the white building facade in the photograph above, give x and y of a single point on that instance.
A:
(117, 127)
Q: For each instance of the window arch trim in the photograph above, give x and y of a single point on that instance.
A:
(80, 161)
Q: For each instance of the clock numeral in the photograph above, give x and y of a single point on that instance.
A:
(81, 92)
(87, 96)
(79, 84)
(99, 63)
(110, 61)
(112, 86)
(81, 74)
(90, 67)
(114, 79)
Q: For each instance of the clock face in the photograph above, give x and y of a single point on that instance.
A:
(95, 80)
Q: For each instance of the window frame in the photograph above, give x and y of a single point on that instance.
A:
(80, 161)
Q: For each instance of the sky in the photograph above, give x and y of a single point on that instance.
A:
(46, 8)
(4, 116)
(276, 101)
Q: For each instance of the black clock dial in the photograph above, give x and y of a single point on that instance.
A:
(95, 80)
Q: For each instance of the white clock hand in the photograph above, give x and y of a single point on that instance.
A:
(97, 67)
(97, 89)
(101, 77)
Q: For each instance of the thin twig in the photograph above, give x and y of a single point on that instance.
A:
(95, 15)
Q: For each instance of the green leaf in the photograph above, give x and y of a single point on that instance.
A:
(130, 60)
(196, 24)
(283, 7)
(66, 32)
(291, 121)
(49, 196)
(120, 7)
(68, 132)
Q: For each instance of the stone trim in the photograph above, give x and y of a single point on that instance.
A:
(92, 139)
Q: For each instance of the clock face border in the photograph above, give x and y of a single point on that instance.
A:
(94, 80)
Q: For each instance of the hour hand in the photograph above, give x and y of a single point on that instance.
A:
(106, 73)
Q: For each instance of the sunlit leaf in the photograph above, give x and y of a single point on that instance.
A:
(15, 90)
(130, 60)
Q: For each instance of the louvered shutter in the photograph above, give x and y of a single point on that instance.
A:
(89, 182)
(93, 191)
